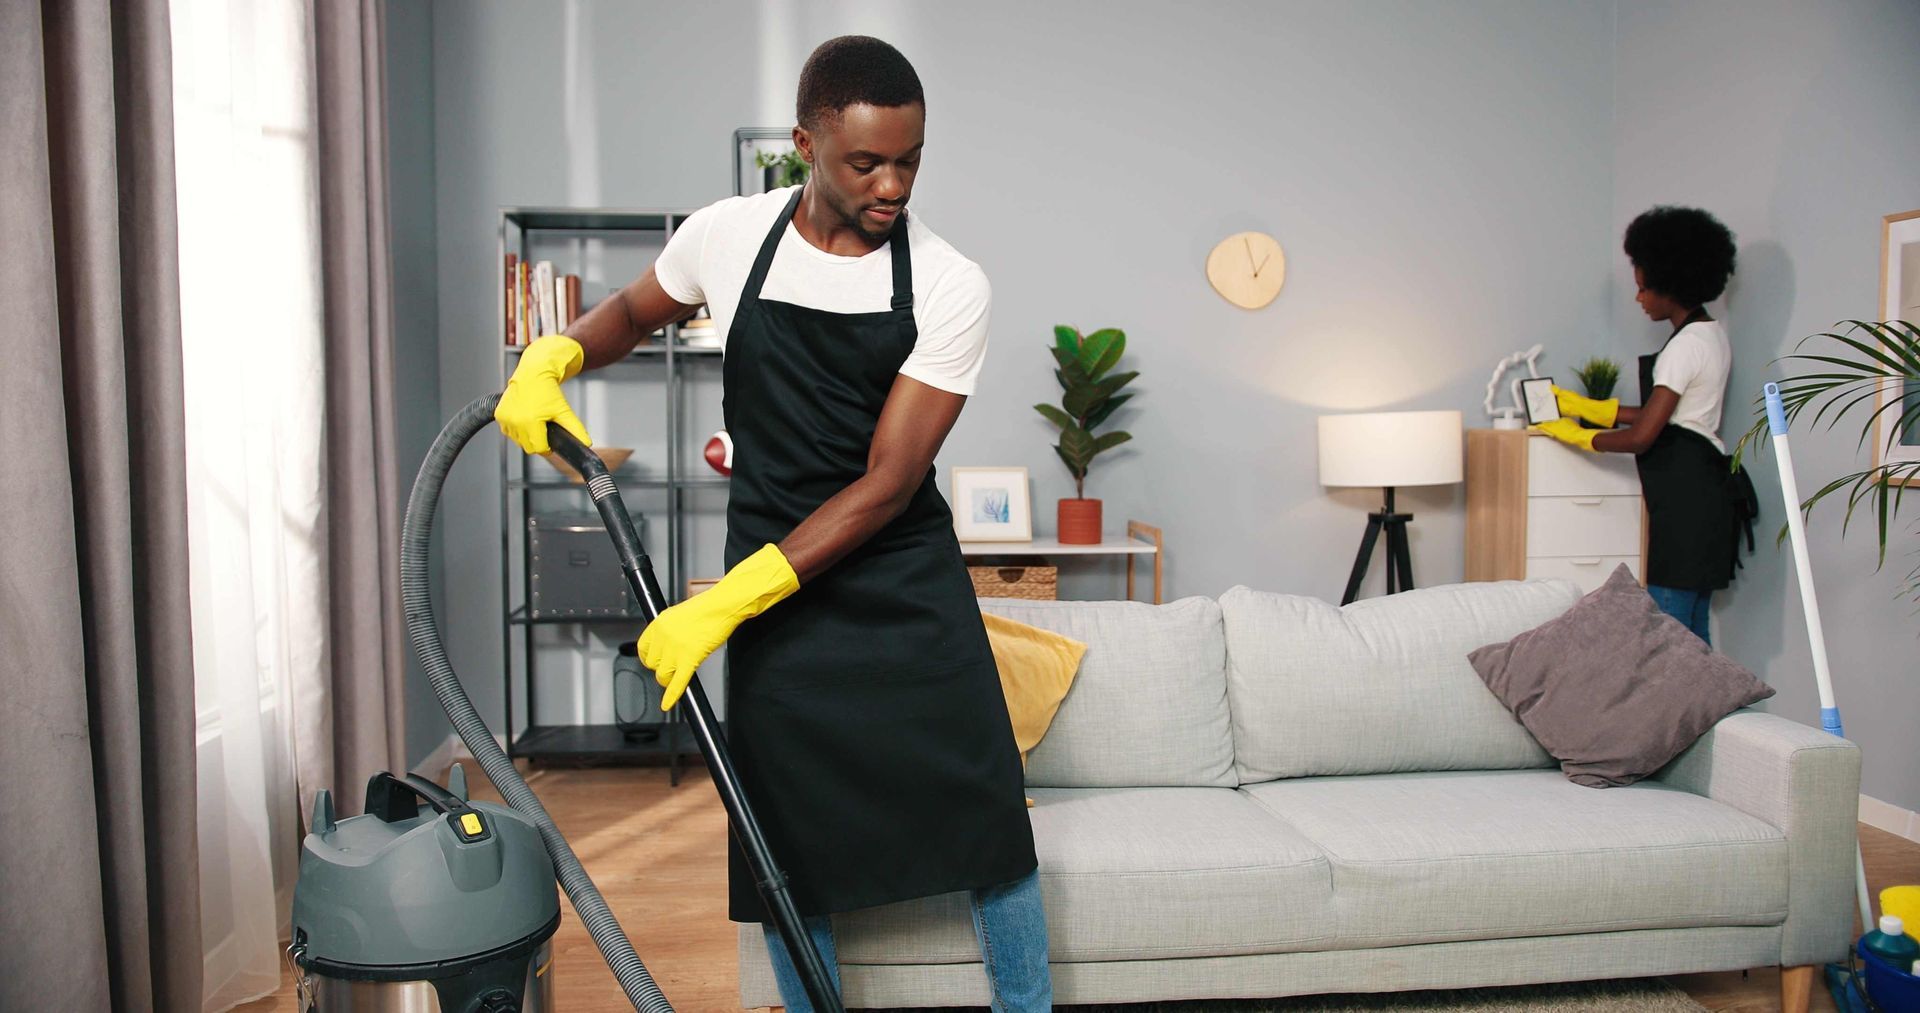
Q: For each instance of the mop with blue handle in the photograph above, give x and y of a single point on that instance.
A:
(1816, 637)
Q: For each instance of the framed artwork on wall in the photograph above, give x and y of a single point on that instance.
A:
(764, 159)
(1899, 300)
(991, 505)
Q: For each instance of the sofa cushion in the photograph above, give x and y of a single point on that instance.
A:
(1132, 874)
(1149, 706)
(1378, 686)
(1487, 855)
(1615, 688)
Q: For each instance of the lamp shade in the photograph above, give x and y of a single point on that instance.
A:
(1390, 449)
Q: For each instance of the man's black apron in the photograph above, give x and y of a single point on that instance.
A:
(865, 713)
(1693, 531)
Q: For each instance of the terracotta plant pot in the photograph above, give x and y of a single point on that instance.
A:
(1080, 521)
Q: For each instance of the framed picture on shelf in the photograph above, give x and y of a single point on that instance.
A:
(991, 505)
(764, 159)
(1899, 300)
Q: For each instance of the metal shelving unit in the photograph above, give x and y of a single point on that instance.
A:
(520, 484)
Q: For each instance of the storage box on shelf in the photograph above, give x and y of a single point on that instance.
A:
(987, 559)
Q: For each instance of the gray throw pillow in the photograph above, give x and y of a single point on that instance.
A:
(1615, 688)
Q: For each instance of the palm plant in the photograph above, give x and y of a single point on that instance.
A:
(1874, 358)
(1090, 394)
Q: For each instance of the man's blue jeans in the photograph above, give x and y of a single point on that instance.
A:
(1690, 607)
(1012, 930)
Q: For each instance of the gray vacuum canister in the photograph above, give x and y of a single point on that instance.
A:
(425, 902)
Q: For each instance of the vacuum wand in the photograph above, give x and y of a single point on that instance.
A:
(746, 830)
(1816, 634)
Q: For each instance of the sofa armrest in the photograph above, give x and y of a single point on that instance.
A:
(1805, 782)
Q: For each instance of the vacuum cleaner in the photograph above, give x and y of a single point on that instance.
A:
(431, 902)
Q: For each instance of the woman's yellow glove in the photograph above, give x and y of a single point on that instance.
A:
(1600, 413)
(679, 639)
(1568, 431)
(533, 398)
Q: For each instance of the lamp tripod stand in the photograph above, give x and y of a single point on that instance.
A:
(1399, 559)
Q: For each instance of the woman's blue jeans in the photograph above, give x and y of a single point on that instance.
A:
(1012, 930)
(1690, 607)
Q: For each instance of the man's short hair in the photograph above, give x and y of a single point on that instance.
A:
(850, 70)
(1684, 254)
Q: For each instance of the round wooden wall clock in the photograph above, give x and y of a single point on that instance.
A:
(1247, 269)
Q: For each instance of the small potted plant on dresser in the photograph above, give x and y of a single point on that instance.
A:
(1090, 394)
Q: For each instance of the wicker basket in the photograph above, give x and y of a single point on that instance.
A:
(1035, 583)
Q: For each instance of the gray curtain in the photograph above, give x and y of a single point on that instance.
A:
(364, 494)
(99, 888)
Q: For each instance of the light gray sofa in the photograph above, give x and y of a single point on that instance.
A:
(1266, 795)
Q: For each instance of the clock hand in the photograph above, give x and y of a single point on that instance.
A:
(1263, 263)
(1248, 243)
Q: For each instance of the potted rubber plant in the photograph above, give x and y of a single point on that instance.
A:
(1090, 394)
(1868, 374)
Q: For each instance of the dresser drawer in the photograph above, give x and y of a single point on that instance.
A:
(1588, 572)
(1583, 526)
(1555, 469)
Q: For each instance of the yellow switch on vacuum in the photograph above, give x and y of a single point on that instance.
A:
(470, 822)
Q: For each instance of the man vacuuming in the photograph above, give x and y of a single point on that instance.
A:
(864, 710)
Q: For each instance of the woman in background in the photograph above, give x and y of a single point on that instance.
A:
(1682, 258)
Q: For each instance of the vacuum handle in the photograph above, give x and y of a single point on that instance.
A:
(575, 453)
(394, 799)
(606, 499)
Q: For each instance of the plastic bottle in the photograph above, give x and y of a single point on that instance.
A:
(1892, 944)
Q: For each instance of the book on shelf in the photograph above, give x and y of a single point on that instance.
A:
(506, 317)
(537, 300)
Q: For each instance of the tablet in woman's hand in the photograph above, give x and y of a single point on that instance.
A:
(1542, 406)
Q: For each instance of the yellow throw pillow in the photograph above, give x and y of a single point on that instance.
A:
(1036, 669)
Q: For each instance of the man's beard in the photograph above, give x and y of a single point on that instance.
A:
(857, 221)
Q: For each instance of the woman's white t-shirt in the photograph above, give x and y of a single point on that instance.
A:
(1694, 365)
(709, 256)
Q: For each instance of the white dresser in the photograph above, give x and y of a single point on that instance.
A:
(1538, 508)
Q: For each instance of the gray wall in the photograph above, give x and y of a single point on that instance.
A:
(1448, 181)
(1439, 176)
(1795, 122)
(416, 315)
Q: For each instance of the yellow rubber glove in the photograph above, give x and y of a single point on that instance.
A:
(679, 639)
(533, 398)
(1600, 413)
(1568, 431)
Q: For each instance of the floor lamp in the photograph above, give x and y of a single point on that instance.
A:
(1388, 450)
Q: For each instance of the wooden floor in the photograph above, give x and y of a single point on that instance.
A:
(657, 853)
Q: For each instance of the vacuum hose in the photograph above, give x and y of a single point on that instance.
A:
(425, 634)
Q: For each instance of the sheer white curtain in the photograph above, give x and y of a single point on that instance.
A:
(251, 322)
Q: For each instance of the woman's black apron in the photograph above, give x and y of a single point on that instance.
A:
(864, 712)
(1693, 531)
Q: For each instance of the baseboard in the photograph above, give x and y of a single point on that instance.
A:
(1891, 818)
(450, 751)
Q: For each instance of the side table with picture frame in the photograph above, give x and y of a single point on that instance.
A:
(993, 518)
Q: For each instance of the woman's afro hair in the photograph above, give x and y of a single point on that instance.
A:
(1684, 254)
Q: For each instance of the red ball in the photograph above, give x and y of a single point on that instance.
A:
(719, 452)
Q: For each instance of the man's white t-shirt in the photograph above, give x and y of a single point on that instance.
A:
(1694, 365)
(711, 253)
